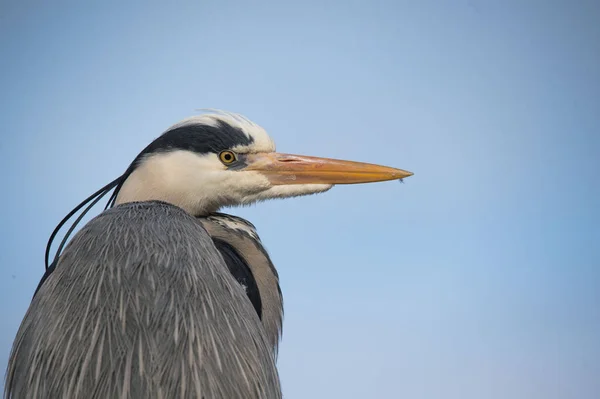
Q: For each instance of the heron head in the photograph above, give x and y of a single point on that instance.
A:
(222, 159)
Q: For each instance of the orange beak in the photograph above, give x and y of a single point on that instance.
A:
(282, 169)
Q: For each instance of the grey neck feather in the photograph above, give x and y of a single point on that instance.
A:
(242, 236)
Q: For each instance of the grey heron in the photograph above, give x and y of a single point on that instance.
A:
(160, 295)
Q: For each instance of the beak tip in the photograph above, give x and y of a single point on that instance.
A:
(404, 174)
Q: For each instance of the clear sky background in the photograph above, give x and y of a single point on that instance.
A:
(477, 278)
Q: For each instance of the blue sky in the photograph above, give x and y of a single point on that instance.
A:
(477, 278)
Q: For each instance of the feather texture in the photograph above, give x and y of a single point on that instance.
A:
(141, 305)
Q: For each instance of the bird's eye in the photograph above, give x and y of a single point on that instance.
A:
(227, 157)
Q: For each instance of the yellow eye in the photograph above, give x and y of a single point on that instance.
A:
(227, 157)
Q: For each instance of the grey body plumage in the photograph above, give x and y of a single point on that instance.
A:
(153, 314)
(160, 296)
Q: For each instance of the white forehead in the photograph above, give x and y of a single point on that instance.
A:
(262, 141)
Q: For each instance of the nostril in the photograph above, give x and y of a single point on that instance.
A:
(288, 160)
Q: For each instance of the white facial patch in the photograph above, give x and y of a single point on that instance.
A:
(198, 183)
